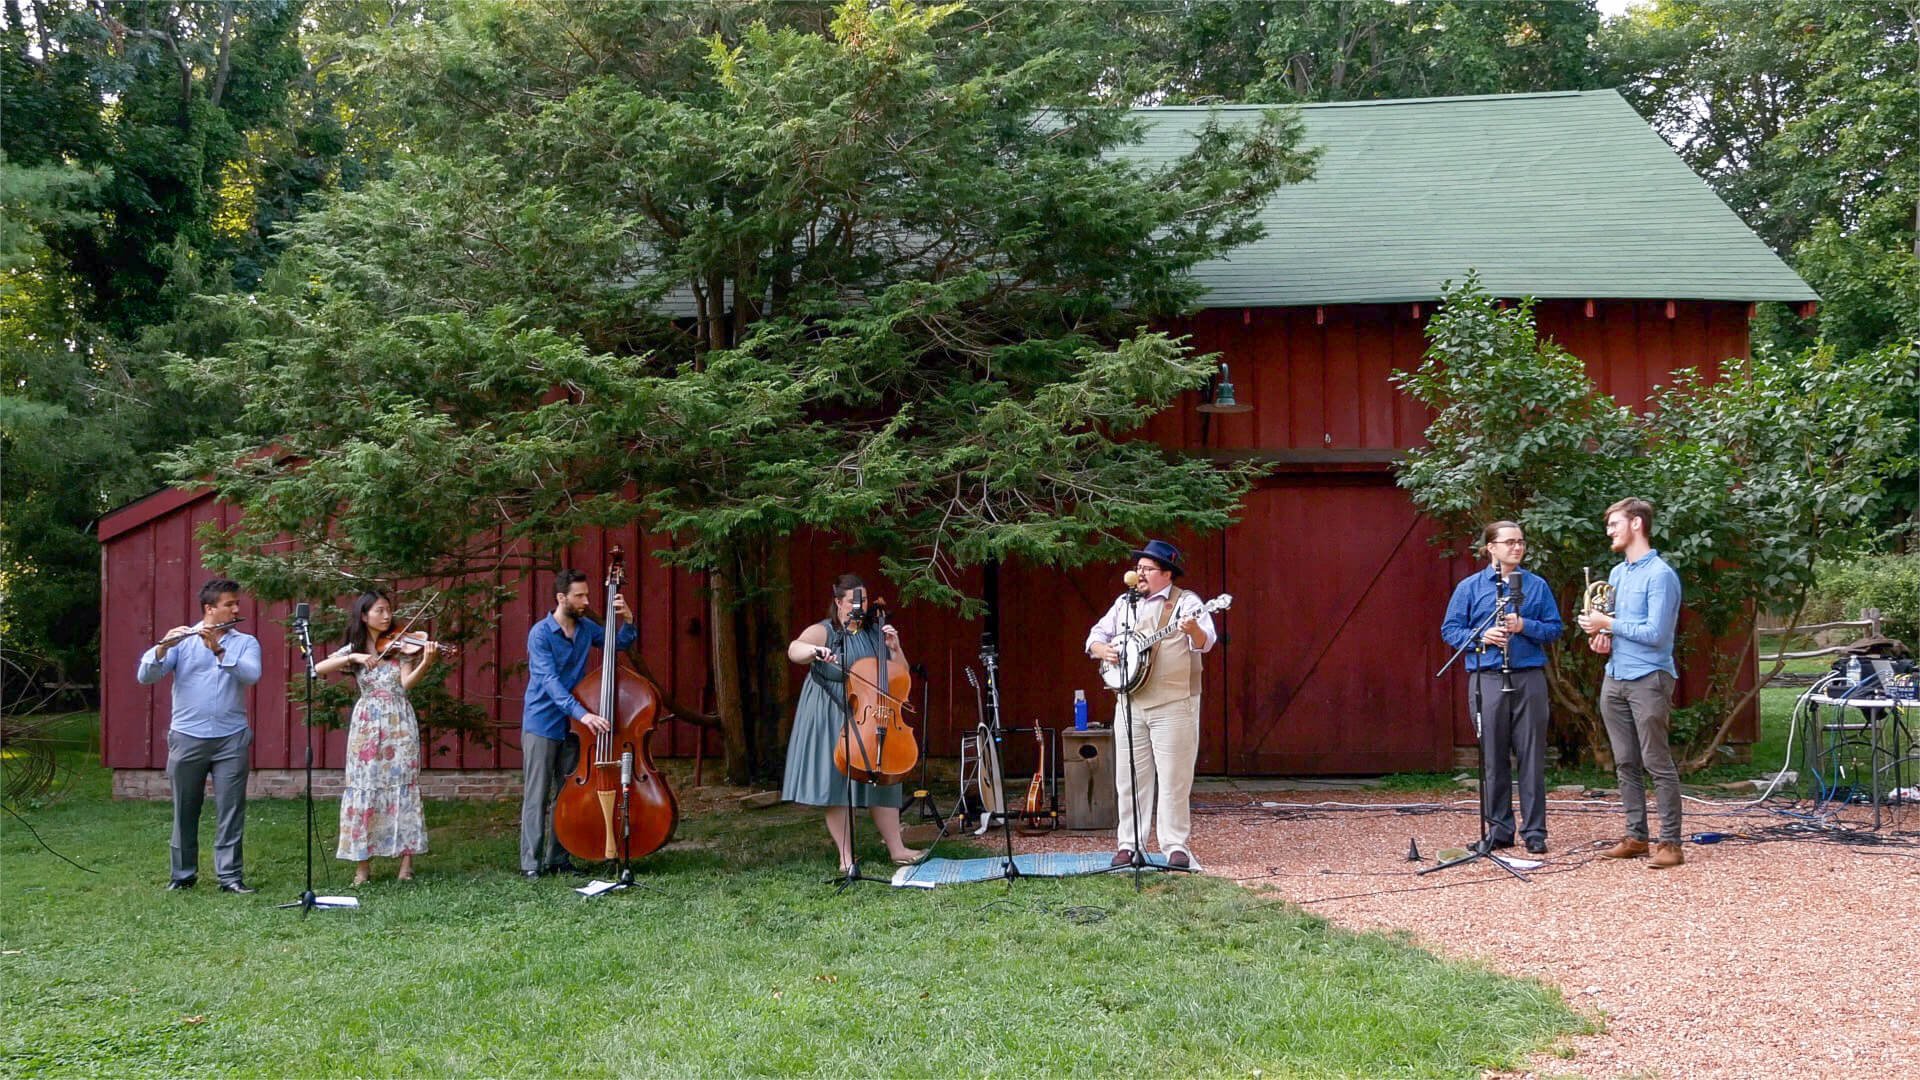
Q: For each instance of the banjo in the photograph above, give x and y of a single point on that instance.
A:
(1124, 675)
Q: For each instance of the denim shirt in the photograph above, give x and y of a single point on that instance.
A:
(1646, 608)
(555, 663)
(1472, 604)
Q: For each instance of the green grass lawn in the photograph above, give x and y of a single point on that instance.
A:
(735, 959)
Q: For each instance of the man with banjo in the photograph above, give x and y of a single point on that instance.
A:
(1149, 644)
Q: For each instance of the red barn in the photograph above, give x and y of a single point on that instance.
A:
(1566, 197)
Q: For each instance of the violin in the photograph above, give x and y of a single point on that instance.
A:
(410, 643)
(615, 804)
(876, 746)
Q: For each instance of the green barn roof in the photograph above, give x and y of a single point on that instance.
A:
(1546, 195)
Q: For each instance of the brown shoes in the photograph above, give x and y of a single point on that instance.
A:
(1121, 858)
(1628, 848)
(1665, 855)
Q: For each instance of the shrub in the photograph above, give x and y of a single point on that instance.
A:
(1888, 582)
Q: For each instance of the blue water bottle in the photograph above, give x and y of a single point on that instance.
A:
(1079, 710)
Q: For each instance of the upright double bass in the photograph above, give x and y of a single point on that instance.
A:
(615, 804)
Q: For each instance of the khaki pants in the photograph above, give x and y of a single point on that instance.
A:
(1162, 744)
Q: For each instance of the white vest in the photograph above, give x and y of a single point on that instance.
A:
(1175, 671)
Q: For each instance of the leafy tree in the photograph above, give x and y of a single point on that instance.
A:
(148, 152)
(886, 278)
(1801, 113)
(1756, 476)
(1322, 50)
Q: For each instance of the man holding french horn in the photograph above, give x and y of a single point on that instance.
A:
(1636, 698)
(1506, 616)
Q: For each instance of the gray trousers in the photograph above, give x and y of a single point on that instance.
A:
(1638, 714)
(1514, 724)
(189, 762)
(544, 763)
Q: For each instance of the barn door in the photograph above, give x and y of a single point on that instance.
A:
(1338, 601)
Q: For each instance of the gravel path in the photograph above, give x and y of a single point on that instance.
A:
(1769, 958)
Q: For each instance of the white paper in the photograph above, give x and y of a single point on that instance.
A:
(596, 887)
(336, 901)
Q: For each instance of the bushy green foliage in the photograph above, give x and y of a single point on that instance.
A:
(1890, 583)
(878, 279)
(1756, 476)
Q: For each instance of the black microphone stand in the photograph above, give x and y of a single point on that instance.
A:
(1482, 849)
(307, 901)
(1139, 862)
(838, 636)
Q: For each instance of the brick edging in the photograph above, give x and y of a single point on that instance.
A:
(495, 784)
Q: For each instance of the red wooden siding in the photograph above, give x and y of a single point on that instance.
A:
(1330, 648)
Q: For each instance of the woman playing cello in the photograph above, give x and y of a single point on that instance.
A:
(830, 647)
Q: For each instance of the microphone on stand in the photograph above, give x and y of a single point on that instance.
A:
(1132, 578)
(301, 614)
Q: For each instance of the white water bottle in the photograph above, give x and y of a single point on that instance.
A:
(1853, 673)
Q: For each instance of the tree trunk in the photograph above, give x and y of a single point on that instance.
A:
(721, 593)
(752, 614)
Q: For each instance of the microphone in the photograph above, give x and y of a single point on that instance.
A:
(1132, 578)
(626, 769)
(1514, 585)
(301, 613)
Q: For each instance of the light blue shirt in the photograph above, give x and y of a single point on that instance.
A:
(1646, 608)
(209, 692)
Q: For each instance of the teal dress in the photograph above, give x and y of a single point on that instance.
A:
(811, 778)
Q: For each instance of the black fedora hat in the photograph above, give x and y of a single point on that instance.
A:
(1163, 553)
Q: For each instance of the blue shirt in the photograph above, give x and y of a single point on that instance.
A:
(209, 692)
(1646, 608)
(554, 663)
(1472, 605)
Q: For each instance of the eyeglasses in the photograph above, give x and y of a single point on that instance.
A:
(1516, 542)
(1149, 568)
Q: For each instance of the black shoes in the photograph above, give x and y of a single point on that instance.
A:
(182, 883)
(530, 875)
(1490, 845)
(1536, 846)
(237, 886)
(569, 867)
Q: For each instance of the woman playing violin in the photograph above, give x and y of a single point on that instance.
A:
(380, 812)
(830, 647)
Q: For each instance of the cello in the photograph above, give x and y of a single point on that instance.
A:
(615, 804)
(875, 745)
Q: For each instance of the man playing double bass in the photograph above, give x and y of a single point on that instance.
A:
(1157, 726)
(558, 647)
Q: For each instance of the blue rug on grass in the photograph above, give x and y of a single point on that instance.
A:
(1055, 864)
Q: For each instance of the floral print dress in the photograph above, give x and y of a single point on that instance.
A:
(380, 813)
